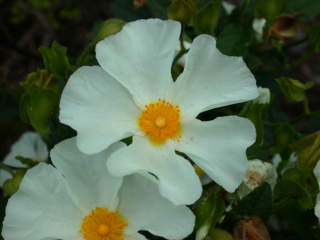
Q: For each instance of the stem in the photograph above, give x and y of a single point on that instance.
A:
(7, 168)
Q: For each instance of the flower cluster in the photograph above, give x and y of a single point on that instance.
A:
(102, 189)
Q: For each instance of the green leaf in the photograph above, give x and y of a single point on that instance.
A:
(308, 149)
(269, 9)
(27, 161)
(56, 61)
(314, 34)
(209, 208)
(297, 187)
(38, 107)
(12, 185)
(309, 8)
(257, 203)
(207, 17)
(293, 89)
(233, 40)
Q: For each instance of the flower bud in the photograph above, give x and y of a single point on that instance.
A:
(182, 10)
(219, 234)
(139, 3)
(257, 173)
(251, 228)
(284, 26)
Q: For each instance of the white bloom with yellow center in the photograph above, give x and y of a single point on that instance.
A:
(133, 94)
(29, 145)
(80, 200)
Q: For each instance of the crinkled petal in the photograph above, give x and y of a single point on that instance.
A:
(87, 175)
(177, 178)
(99, 108)
(211, 79)
(29, 145)
(219, 148)
(42, 208)
(140, 57)
(144, 208)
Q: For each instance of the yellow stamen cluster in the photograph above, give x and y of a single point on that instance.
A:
(102, 224)
(160, 121)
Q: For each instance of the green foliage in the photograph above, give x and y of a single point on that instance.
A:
(269, 9)
(293, 89)
(308, 8)
(314, 33)
(109, 27)
(209, 208)
(38, 106)
(219, 234)
(257, 203)
(234, 40)
(297, 187)
(56, 61)
(206, 18)
(308, 150)
(11, 186)
(182, 10)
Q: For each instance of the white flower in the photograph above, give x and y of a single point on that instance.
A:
(80, 200)
(316, 172)
(258, 26)
(264, 96)
(257, 173)
(132, 94)
(29, 145)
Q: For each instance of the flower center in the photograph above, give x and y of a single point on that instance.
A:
(102, 224)
(160, 121)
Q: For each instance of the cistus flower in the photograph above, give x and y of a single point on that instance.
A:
(79, 199)
(29, 145)
(133, 94)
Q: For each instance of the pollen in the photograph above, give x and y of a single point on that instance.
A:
(160, 121)
(102, 224)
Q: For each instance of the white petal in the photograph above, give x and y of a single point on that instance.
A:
(98, 107)
(317, 207)
(4, 176)
(87, 175)
(211, 79)
(219, 148)
(177, 178)
(316, 171)
(42, 208)
(140, 57)
(29, 145)
(145, 209)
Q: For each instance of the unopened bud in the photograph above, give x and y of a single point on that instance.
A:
(139, 3)
(284, 26)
